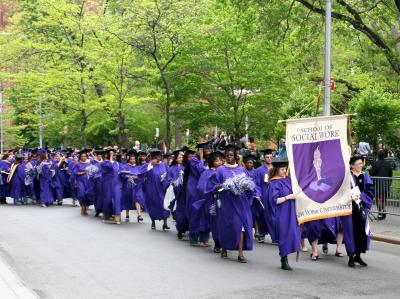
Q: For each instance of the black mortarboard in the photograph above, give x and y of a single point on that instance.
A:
(204, 145)
(141, 153)
(189, 151)
(249, 157)
(99, 151)
(278, 162)
(267, 151)
(84, 151)
(176, 152)
(230, 147)
(355, 158)
(155, 153)
(132, 152)
(214, 155)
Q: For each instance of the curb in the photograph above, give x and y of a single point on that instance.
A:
(386, 239)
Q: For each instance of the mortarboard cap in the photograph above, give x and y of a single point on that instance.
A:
(214, 155)
(267, 151)
(249, 157)
(278, 162)
(204, 145)
(132, 152)
(231, 147)
(155, 153)
(356, 158)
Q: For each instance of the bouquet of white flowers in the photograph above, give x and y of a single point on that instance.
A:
(91, 170)
(239, 184)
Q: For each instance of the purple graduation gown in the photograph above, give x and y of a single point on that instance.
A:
(5, 169)
(270, 210)
(257, 210)
(72, 178)
(324, 230)
(234, 214)
(209, 198)
(46, 182)
(97, 188)
(355, 237)
(17, 182)
(111, 188)
(175, 178)
(84, 185)
(194, 215)
(286, 226)
(128, 196)
(58, 183)
(154, 190)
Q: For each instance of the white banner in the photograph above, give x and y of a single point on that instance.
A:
(319, 156)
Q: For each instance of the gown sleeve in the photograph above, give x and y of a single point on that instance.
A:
(367, 195)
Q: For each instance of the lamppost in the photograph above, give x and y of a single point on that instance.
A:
(327, 75)
(1, 119)
(2, 108)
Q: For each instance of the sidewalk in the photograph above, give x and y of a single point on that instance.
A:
(11, 286)
(387, 230)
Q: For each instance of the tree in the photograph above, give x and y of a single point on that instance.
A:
(377, 117)
(156, 29)
(231, 71)
(378, 21)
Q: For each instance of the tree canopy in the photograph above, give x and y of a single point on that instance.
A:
(111, 72)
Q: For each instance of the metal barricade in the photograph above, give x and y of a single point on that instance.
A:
(387, 195)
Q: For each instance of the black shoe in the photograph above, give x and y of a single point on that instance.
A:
(242, 259)
(285, 264)
(351, 262)
(139, 219)
(217, 250)
(165, 226)
(153, 224)
(358, 260)
(97, 214)
(180, 235)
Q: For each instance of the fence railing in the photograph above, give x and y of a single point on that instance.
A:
(387, 196)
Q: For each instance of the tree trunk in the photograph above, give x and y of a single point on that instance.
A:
(178, 129)
(236, 122)
(167, 87)
(83, 127)
(123, 139)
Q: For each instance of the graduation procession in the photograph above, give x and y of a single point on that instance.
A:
(213, 194)
(199, 149)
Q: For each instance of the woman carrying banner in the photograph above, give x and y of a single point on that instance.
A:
(235, 189)
(279, 195)
(356, 227)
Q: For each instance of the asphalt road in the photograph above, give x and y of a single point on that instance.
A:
(60, 254)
